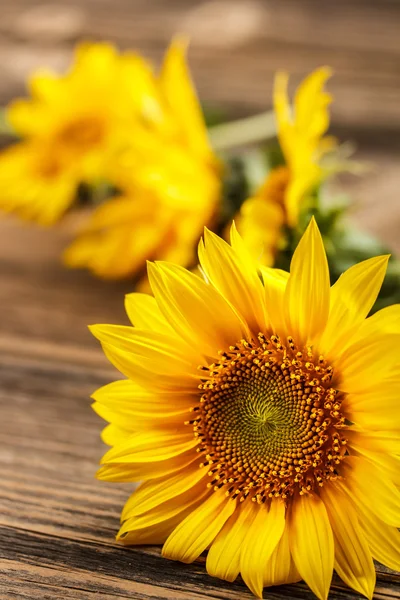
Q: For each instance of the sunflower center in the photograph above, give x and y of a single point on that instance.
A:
(269, 422)
(83, 133)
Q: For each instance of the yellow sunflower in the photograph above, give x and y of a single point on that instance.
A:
(301, 130)
(261, 417)
(72, 129)
(171, 181)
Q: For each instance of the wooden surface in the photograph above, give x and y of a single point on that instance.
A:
(57, 523)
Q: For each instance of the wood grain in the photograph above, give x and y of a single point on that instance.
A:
(57, 522)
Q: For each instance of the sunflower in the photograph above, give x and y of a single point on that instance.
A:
(72, 129)
(301, 128)
(261, 416)
(171, 183)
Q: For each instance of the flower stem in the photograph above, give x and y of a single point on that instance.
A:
(243, 132)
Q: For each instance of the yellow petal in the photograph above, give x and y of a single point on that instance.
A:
(383, 540)
(311, 103)
(386, 320)
(386, 441)
(156, 491)
(235, 278)
(112, 434)
(141, 471)
(150, 358)
(300, 133)
(150, 446)
(125, 394)
(311, 543)
(167, 510)
(283, 111)
(262, 538)
(352, 297)
(130, 407)
(353, 560)
(237, 243)
(361, 443)
(301, 183)
(275, 282)
(143, 312)
(199, 529)
(307, 290)
(131, 421)
(194, 309)
(367, 361)
(260, 223)
(148, 344)
(223, 558)
(280, 567)
(377, 408)
(359, 475)
(153, 534)
(182, 99)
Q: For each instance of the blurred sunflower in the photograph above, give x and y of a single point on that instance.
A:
(171, 183)
(72, 128)
(279, 200)
(258, 414)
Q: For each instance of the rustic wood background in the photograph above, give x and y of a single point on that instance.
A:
(57, 523)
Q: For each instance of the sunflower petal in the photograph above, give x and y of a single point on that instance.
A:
(384, 441)
(354, 365)
(112, 434)
(311, 543)
(182, 99)
(352, 297)
(262, 538)
(386, 320)
(353, 560)
(280, 567)
(377, 408)
(167, 510)
(141, 471)
(235, 278)
(223, 558)
(359, 474)
(307, 289)
(143, 312)
(153, 534)
(150, 446)
(131, 408)
(361, 443)
(153, 492)
(149, 358)
(275, 281)
(383, 540)
(199, 529)
(194, 309)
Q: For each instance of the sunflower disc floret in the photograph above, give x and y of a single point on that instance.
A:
(269, 423)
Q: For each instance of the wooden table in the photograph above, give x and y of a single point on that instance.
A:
(57, 522)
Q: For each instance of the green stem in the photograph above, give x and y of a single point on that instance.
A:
(243, 132)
